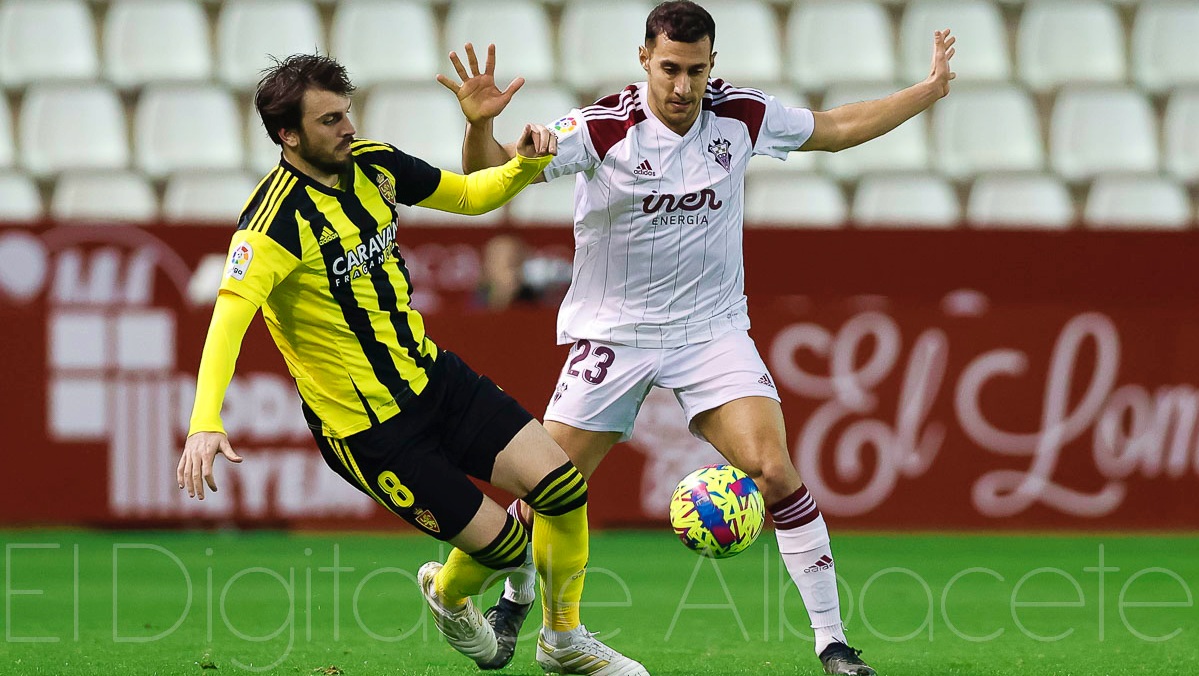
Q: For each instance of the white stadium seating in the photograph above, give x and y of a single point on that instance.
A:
(42, 40)
(905, 148)
(987, 128)
(795, 201)
(907, 201)
(166, 40)
(1136, 202)
(978, 26)
(250, 32)
(179, 127)
(748, 49)
(422, 121)
(1181, 127)
(7, 149)
(1062, 41)
(1165, 44)
(72, 127)
(1033, 201)
(1095, 130)
(539, 104)
(108, 197)
(549, 204)
(19, 199)
(839, 41)
(363, 39)
(519, 29)
(599, 41)
(199, 197)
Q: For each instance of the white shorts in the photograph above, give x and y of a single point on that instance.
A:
(602, 385)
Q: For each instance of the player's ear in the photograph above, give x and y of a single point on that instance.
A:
(712, 62)
(290, 138)
(643, 56)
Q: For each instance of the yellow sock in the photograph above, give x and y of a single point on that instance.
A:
(560, 550)
(465, 574)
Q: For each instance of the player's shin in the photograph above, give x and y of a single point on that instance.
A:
(465, 575)
(560, 544)
(804, 545)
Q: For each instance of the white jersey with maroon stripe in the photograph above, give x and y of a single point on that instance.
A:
(658, 216)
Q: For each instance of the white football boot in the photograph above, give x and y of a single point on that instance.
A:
(579, 652)
(465, 629)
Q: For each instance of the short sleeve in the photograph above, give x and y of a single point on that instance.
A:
(414, 178)
(783, 129)
(575, 153)
(258, 262)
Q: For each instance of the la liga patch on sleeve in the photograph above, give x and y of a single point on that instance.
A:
(564, 127)
(239, 261)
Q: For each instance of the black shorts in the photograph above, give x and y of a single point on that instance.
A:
(416, 463)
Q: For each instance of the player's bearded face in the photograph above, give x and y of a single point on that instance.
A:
(325, 131)
(678, 76)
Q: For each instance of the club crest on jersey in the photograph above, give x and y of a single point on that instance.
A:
(386, 189)
(720, 150)
(239, 261)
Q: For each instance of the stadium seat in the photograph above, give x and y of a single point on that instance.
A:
(598, 43)
(1182, 134)
(109, 197)
(839, 41)
(154, 41)
(1095, 130)
(796, 161)
(905, 201)
(540, 104)
(794, 201)
(249, 32)
(43, 40)
(903, 149)
(422, 121)
(519, 29)
(181, 127)
(261, 152)
(1019, 201)
(363, 39)
(1165, 49)
(987, 128)
(1064, 41)
(19, 199)
(206, 197)
(545, 204)
(1137, 202)
(72, 127)
(7, 150)
(977, 23)
(749, 49)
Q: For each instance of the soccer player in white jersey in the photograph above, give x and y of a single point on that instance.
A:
(657, 297)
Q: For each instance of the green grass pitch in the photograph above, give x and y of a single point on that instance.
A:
(241, 603)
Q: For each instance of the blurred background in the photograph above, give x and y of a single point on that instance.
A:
(983, 319)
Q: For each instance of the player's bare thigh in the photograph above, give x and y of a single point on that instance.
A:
(751, 434)
(585, 448)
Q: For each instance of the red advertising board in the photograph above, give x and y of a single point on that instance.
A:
(929, 379)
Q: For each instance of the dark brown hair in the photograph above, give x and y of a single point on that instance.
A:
(680, 21)
(282, 88)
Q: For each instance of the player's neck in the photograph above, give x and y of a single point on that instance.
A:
(311, 171)
(680, 129)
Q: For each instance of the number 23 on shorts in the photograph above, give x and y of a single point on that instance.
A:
(400, 495)
(604, 357)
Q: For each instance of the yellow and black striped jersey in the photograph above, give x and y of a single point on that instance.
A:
(334, 290)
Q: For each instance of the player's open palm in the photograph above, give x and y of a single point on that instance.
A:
(480, 99)
(199, 455)
(942, 52)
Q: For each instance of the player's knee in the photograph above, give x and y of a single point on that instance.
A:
(775, 477)
(561, 491)
(507, 550)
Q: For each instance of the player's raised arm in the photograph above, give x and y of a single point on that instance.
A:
(481, 103)
(206, 437)
(849, 125)
(481, 191)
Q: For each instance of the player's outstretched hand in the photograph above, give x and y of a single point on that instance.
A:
(480, 99)
(199, 454)
(537, 141)
(942, 52)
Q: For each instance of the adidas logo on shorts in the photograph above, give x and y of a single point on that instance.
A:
(765, 380)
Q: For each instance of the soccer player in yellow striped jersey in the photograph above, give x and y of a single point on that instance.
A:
(403, 420)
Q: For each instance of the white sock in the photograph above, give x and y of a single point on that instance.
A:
(804, 546)
(521, 585)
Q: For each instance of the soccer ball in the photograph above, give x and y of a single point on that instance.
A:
(717, 511)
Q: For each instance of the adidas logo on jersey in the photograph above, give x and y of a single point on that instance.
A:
(644, 169)
(327, 235)
(765, 380)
